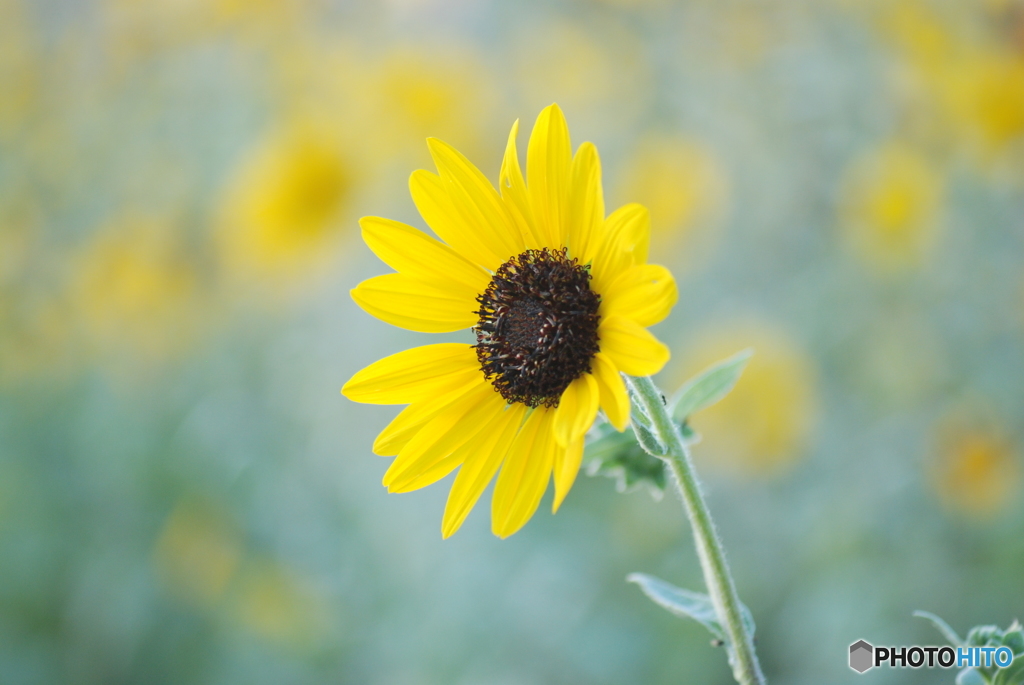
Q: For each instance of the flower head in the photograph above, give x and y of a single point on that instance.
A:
(891, 206)
(974, 468)
(133, 292)
(280, 214)
(558, 296)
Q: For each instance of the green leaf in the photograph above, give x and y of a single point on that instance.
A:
(1012, 674)
(691, 436)
(604, 441)
(686, 603)
(709, 386)
(942, 627)
(1014, 638)
(643, 428)
(984, 636)
(633, 456)
(617, 455)
(648, 440)
(680, 602)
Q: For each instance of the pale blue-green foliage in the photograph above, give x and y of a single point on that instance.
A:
(986, 636)
(659, 434)
(689, 604)
(630, 456)
(709, 386)
(940, 625)
(643, 429)
(620, 456)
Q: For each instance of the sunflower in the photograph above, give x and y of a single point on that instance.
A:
(558, 297)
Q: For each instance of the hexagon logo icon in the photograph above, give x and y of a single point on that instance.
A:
(860, 656)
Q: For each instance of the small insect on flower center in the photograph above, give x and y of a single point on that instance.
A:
(538, 326)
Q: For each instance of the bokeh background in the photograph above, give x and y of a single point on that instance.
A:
(186, 498)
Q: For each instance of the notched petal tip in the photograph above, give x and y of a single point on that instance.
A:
(553, 108)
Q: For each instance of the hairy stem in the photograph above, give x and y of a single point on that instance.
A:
(717, 577)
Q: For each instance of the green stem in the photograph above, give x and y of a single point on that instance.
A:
(721, 587)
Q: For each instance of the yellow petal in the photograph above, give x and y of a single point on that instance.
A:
(413, 253)
(614, 398)
(425, 459)
(644, 293)
(479, 468)
(524, 475)
(567, 466)
(407, 423)
(476, 199)
(548, 158)
(416, 306)
(415, 374)
(513, 191)
(631, 347)
(586, 203)
(576, 409)
(625, 236)
(430, 474)
(431, 196)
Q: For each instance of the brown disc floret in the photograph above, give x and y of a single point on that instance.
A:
(537, 331)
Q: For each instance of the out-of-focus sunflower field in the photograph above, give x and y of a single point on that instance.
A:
(186, 498)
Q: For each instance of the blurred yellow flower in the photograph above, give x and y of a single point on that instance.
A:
(137, 29)
(748, 32)
(269, 12)
(925, 36)
(20, 74)
(35, 329)
(198, 552)
(974, 470)
(682, 184)
(890, 206)
(396, 97)
(597, 71)
(567, 59)
(444, 93)
(282, 213)
(971, 83)
(135, 294)
(985, 93)
(36, 340)
(275, 603)
(763, 426)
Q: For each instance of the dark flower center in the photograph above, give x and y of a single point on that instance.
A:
(538, 326)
